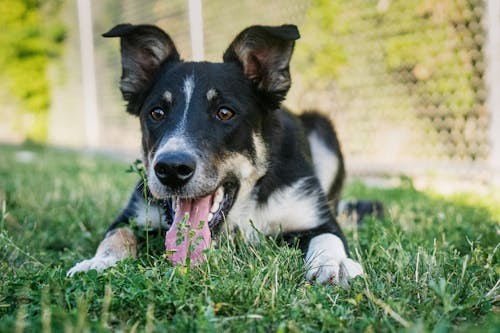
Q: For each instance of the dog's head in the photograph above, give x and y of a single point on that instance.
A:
(201, 122)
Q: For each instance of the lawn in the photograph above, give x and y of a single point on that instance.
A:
(432, 264)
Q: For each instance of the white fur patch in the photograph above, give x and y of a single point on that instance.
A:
(211, 94)
(188, 93)
(117, 245)
(286, 210)
(326, 162)
(99, 263)
(150, 216)
(328, 263)
(261, 153)
(173, 143)
(167, 96)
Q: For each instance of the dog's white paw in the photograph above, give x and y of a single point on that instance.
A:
(329, 270)
(97, 263)
(327, 262)
(117, 245)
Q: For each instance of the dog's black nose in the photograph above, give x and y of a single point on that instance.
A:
(174, 169)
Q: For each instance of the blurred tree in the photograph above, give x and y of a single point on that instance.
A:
(31, 35)
(320, 56)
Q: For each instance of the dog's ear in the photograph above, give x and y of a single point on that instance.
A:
(264, 54)
(144, 48)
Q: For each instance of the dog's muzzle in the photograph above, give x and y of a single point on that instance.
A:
(174, 169)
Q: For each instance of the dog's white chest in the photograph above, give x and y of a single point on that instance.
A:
(286, 210)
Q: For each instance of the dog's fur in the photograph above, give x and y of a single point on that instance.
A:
(208, 127)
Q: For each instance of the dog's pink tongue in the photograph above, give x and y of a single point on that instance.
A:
(189, 236)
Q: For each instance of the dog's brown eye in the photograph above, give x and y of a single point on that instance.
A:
(224, 114)
(157, 114)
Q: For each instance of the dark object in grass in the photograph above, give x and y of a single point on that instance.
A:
(358, 210)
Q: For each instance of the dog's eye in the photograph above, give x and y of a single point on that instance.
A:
(225, 114)
(157, 114)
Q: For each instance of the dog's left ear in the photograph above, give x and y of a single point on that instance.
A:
(144, 49)
(264, 54)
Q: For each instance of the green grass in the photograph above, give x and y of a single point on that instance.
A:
(431, 264)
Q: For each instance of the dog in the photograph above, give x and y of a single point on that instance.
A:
(221, 153)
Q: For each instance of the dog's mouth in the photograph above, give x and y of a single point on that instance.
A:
(194, 218)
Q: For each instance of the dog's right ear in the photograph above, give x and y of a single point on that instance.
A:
(144, 48)
(263, 53)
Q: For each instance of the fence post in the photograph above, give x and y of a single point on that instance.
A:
(196, 29)
(88, 73)
(492, 52)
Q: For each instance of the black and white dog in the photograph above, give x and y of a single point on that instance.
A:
(221, 153)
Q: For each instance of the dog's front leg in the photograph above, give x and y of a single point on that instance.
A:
(325, 254)
(327, 261)
(118, 244)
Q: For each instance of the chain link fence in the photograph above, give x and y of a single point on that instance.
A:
(409, 94)
(403, 81)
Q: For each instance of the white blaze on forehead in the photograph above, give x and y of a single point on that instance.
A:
(187, 89)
